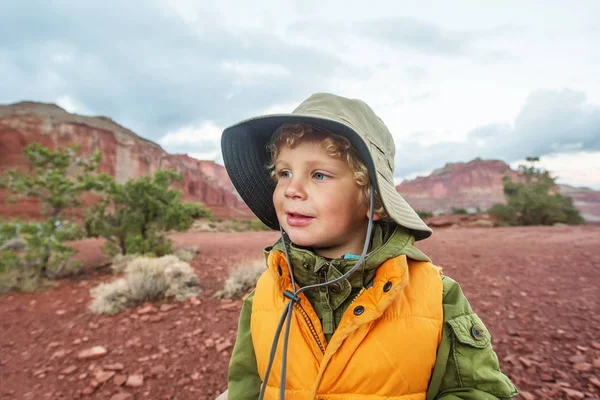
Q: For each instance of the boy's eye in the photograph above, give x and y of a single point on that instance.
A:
(320, 176)
(285, 174)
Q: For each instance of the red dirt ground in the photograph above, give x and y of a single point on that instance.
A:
(535, 288)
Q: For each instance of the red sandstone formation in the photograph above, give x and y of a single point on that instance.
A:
(125, 155)
(478, 184)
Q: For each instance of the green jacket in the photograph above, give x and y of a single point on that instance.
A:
(466, 365)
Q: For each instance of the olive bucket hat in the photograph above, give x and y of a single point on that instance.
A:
(245, 154)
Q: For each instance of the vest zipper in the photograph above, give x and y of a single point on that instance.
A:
(311, 327)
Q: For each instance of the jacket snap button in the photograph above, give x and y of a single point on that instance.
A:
(279, 270)
(359, 310)
(306, 265)
(477, 333)
(387, 286)
(335, 288)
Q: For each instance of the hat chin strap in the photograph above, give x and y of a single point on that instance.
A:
(287, 313)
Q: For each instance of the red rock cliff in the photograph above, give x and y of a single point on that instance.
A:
(124, 155)
(478, 183)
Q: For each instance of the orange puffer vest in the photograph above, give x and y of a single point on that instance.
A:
(384, 347)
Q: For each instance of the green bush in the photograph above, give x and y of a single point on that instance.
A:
(459, 211)
(135, 217)
(534, 200)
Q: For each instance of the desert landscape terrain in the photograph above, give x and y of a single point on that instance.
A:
(536, 288)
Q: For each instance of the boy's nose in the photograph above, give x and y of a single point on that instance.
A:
(295, 189)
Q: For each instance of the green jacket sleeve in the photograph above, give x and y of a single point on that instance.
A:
(243, 380)
(466, 366)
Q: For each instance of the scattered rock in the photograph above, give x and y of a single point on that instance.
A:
(227, 344)
(58, 354)
(579, 358)
(69, 370)
(167, 307)
(88, 390)
(596, 345)
(91, 353)
(595, 382)
(597, 363)
(194, 300)
(525, 362)
(61, 312)
(583, 367)
(135, 381)
(575, 394)
(104, 376)
(149, 309)
(157, 370)
(113, 367)
(53, 345)
(527, 395)
(122, 396)
(119, 380)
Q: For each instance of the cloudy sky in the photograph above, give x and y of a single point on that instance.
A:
(452, 80)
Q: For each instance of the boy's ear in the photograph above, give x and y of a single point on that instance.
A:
(376, 217)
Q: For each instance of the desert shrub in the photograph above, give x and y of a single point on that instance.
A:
(40, 253)
(57, 178)
(120, 262)
(241, 280)
(135, 217)
(459, 211)
(146, 279)
(186, 254)
(534, 200)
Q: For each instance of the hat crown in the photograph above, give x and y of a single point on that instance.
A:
(357, 115)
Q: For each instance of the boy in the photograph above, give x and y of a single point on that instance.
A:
(361, 312)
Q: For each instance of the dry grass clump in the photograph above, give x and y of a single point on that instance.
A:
(120, 262)
(186, 253)
(146, 279)
(241, 280)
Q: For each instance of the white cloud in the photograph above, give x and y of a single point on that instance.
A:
(577, 169)
(251, 73)
(72, 105)
(192, 134)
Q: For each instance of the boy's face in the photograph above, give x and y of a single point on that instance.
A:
(318, 202)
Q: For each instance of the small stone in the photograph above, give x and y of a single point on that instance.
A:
(135, 381)
(195, 376)
(77, 341)
(88, 390)
(596, 345)
(53, 345)
(113, 367)
(122, 396)
(149, 309)
(119, 380)
(579, 358)
(595, 382)
(583, 367)
(527, 395)
(91, 353)
(82, 376)
(144, 318)
(61, 312)
(156, 318)
(58, 354)
(184, 381)
(574, 393)
(104, 376)
(194, 300)
(582, 348)
(546, 378)
(69, 370)
(158, 369)
(597, 363)
(167, 307)
(525, 362)
(93, 325)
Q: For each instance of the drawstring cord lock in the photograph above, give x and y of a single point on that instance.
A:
(291, 296)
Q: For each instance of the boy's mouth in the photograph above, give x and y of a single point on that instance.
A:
(295, 219)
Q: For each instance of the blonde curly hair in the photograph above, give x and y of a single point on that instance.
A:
(337, 146)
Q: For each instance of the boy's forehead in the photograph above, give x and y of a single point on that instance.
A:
(309, 155)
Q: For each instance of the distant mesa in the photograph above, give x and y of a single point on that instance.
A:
(477, 185)
(125, 155)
